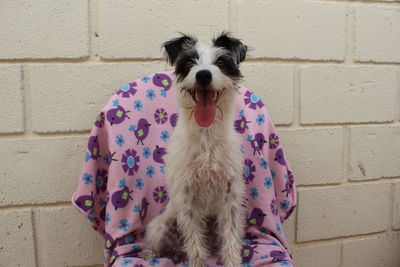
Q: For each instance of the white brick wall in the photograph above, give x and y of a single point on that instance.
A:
(328, 71)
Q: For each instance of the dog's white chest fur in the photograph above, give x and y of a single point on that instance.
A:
(203, 163)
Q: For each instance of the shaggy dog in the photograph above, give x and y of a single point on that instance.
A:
(204, 164)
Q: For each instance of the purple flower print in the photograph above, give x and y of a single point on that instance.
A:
(247, 253)
(127, 90)
(162, 80)
(161, 116)
(109, 241)
(130, 161)
(101, 180)
(250, 239)
(273, 141)
(159, 194)
(274, 207)
(252, 100)
(249, 168)
(120, 198)
(100, 120)
(241, 125)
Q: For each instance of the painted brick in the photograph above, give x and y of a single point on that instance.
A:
(68, 97)
(382, 251)
(396, 206)
(136, 29)
(377, 27)
(374, 152)
(341, 94)
(293, 29)
(44, 29)
(62, 232)
(322, 255)
(315, 154)
(16, 238)
(11, 102)
(274, 84)
(343, 211)
(40, 170)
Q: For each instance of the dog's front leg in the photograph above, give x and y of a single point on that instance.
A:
(190, 225)
(230, 228)
(155, 232)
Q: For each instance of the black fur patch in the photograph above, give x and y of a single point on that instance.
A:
(181, 68)
(175, 46)
(234, 45)
(229, 67)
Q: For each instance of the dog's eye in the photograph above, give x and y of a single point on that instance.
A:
(189, 64)
(219, 63)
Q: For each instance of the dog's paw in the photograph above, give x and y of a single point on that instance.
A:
(148, 253)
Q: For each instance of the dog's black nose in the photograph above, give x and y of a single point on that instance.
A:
(203, 77)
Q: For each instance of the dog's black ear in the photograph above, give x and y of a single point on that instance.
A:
(234, 45)
(175, 46)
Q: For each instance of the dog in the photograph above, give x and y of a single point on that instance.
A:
(204, 164)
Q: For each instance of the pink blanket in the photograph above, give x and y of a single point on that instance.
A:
(122, 184)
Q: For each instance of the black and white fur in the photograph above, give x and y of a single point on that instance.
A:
(204, 165)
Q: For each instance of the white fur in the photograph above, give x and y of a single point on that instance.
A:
(200, 165)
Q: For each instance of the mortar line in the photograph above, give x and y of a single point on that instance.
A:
(391, 207)
(27, 100)
(296, 114)
(35, 205)
(35, 242)
(350, 41)
(93, 21)
(346, 153)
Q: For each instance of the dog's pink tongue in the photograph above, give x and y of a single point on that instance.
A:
(205, 109)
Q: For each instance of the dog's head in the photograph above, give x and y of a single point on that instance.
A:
(206, 75)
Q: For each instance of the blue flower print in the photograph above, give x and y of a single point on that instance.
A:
(137, 105)
(285, 263)
(164, 136)
(241, 113)
(122, 183)
(260, 119)
(264, 257)
(254, 193)
(145, 79)
(126, 262)
(124, 225)
(150, 171)
(139, 183)
(146, 152)
(87, 178)
(285, 204)
(249, 137)
(115, 103)
(278, 228)
(162, 169)
(264, 163)
(163, 92)
(150, 94)
(135, 248)
(273, 174)
(119, 140)
(102, 202)
(87, 157)
(268, 182)
(154, 261)
(136, 208)
(108, 218)
(132, 128)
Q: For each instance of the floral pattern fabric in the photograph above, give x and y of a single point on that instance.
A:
(122, 184)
